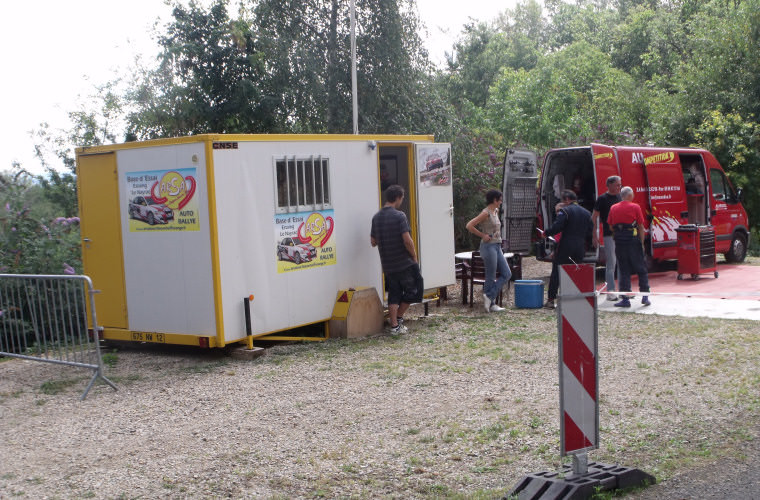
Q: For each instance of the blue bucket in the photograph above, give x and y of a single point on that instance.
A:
(529, 294)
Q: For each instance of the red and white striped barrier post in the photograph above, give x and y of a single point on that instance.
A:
(577, 320)
(578, 382)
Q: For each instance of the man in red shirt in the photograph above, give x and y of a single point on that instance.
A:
(627, 223)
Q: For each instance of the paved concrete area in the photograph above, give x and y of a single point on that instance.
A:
(734, 294)
(690, 307)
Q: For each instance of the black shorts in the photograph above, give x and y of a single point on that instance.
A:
(405, 286)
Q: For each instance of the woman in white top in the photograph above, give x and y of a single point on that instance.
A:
(487, 226)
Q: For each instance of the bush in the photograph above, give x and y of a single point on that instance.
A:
(32, 243)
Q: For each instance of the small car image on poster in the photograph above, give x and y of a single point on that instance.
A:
(162, 200)
(304, 240)
(434, 164)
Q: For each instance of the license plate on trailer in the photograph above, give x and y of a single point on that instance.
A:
(149, 337)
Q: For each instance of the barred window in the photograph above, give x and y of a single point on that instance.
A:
(302, 184)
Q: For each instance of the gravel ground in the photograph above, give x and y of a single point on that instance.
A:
(462, 406)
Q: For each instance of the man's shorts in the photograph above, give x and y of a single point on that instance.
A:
(405, 286)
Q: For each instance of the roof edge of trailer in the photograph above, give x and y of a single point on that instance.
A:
(169, 141)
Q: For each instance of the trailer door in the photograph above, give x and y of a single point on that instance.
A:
(101, 236)
(435, 213)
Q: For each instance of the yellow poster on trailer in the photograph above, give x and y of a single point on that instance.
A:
(304, 240)
(162, 200)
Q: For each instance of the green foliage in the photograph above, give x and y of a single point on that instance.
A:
(110, 358)
(735, 142)
(718, 69)
(572, 96)
(208, 79)
(580, 21)
(478, 159)
(54, 387)
(283, 67)
(32, 241)
(484, 49)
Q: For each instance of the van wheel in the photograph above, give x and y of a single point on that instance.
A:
(738, 250)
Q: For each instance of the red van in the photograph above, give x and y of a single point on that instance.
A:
(674, 186)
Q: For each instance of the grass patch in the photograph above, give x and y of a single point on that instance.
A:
(53, 387)
(110, 359)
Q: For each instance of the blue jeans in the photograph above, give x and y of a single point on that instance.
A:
(494, 260)
(611, 259)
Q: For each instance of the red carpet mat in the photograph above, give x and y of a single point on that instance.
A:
(734, 281)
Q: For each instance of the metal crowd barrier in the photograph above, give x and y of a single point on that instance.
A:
(44, 318)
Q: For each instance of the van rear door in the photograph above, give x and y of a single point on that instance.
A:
(667, 201)
(520, 196)
(605, 166)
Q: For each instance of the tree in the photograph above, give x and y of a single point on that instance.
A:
(650, 43)
(308, 55)
(95, 122)
(590, 21)
(514, 40)
(284, 66)
(572, 96)
(208, 79)
(735, 142)
(720, 71)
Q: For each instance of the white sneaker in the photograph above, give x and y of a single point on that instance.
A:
(496, 308)
(612, 298)
(486, 303)
(397, 330)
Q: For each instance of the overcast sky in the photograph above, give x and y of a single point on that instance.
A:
(57, 50)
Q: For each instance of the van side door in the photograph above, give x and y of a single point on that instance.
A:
(667, 201)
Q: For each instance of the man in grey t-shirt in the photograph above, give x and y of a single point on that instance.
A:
(601, 211)
(391, 234)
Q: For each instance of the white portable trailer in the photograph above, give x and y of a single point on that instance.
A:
(217, 239)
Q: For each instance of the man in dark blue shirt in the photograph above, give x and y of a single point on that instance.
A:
(574, 222)
(390, 233)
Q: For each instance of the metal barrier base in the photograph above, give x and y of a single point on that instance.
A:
(565, 485)
(96, 376)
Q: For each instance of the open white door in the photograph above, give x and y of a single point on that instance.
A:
(435, 213)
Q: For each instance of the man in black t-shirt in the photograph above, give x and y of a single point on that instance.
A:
(601, 211)
(391, 234)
